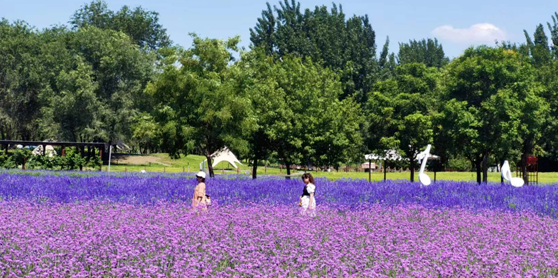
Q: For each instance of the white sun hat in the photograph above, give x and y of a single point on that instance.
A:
(201, 175)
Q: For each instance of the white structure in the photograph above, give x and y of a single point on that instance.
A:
(424, 156)
(122, 147)
(223, 154)
(388, 155)
(421, 155)
(50, 152)
(507, 175)
(393, 155)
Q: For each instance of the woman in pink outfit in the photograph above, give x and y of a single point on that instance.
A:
(199, 201)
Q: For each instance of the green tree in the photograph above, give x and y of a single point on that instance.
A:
(197, 104)
(72, 112)
(346, 46)
(478, 81)
(539, 47)
(121, 71)
(298, 112)
(21, 81)
(426, 51)
(141, 26)
(146, 133)
(554, 34)
(399, 112)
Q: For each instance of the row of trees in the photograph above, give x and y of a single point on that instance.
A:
(310, 90)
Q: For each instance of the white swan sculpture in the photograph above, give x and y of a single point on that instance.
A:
(507, 175)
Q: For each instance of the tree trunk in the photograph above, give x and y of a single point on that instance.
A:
(524, 172)
(255, 168)
(524, 156)
(501, 177)
(485, 168)
(478, 165)
(288, 165)
(413, 165)
(209, 166)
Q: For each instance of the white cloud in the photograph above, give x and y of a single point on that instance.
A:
(482, 33)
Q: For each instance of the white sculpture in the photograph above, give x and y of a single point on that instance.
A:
(507, 175)
(424, 178)
(49, 151)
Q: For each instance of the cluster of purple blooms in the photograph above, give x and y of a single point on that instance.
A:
(130, 225)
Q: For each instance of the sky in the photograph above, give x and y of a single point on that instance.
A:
(456, 24)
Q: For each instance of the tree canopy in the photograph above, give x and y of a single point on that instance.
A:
(313, 89)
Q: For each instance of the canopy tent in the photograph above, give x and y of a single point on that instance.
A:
(223, 154)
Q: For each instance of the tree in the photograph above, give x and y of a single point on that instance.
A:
(426, 51)
(21, 80)
(399, 112)
(386, 63)
(71, 113)
(539, 47)
(141, 26)
(197, 103)
(297, 111)
(554, 34)
(121, 71)
(346, 46)
(146, 133)
(478, 81)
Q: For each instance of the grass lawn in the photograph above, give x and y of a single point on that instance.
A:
(191, 163)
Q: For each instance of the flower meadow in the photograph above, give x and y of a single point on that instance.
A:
(142, 226)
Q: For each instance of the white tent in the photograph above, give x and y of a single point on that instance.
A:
(224, 154)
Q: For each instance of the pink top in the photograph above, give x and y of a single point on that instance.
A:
(199, 195)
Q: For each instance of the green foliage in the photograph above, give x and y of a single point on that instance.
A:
(326, 36)
(21, 73)
(20, 156)
(7, 162)
(427, 51)
(494, 105)
(141, 26)
(73, 160)
(399, 114)
(539, 47)
(310, 91)
(198, 104)
(459, 164)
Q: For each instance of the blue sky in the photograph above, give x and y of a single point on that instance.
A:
(457, 24)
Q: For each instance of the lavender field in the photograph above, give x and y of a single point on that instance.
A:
(141, 226)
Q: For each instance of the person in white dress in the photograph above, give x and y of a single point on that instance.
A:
(307, 199)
